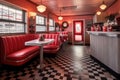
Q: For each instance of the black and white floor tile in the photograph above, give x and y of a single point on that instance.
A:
(72, 63)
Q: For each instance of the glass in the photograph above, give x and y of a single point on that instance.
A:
(18, 15)
(0, 11)
(19, 28)
(51, 22)
(11, 27)
(51, 28)
(40, 28)
(6, 27)
(40, 20)
(5, 12)
(1, 27)
(51, 25)
(78, 37)
(78, 27)
(11, 14)
(104, 28)
(109, 28)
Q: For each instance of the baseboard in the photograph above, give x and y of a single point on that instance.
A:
(107, 68)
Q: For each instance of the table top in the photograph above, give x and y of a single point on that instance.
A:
(36, 42)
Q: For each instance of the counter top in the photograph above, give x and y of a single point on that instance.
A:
(108, 34)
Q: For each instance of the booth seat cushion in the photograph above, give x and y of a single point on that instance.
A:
(51, 47)
(22, 54)
(13, 50)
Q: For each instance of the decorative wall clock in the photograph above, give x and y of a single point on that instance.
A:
(65, 24)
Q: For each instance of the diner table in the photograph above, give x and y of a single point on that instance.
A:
(39, 43)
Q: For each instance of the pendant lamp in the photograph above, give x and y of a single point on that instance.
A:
(103, 6)
(41, 8)
(98, 13)
(60, 17)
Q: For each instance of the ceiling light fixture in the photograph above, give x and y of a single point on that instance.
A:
(60, 17)
(103, 6)
(98, 13)
(41, 8)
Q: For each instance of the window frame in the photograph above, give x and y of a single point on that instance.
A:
(53, 22)
(10, 21)
(41, 25)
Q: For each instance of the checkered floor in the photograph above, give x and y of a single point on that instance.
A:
(72, 63)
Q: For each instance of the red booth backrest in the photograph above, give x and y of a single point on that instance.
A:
(64, 36)
(65, 32)
(10, 44)
(56, 38)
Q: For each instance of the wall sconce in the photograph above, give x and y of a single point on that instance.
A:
(32, 22)
(32, 14)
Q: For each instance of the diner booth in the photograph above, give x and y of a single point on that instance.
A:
(59, 40)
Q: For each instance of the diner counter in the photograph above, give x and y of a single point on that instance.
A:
(108, 34)
(105, 47)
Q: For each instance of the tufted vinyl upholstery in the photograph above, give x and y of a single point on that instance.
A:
(13, 50)
(54, 46)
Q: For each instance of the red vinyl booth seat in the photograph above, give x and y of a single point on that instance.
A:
(13, 50)
(54, 46)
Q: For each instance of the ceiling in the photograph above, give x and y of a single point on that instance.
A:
(73, 7)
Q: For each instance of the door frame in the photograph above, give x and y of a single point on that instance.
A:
(73, 41)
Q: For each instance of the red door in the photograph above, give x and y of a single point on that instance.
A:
(78, 30)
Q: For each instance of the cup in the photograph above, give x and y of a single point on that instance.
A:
(104, 28)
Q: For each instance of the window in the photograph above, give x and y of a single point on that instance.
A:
(5, 12)
(12, 20)
(11, 14)
(51, 25)
(0, 11)
(40, 24)
(9, 27)
(18, 15)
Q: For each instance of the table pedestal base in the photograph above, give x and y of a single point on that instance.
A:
(40, 67)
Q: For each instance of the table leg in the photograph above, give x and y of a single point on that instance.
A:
(41, 58)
